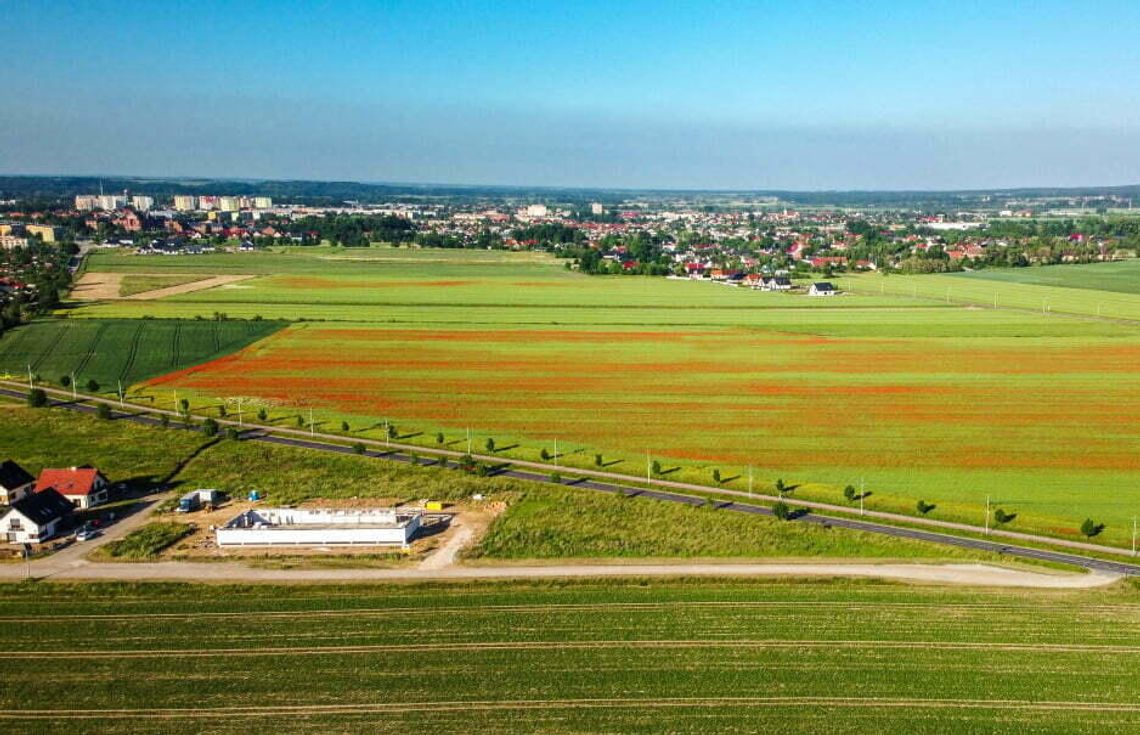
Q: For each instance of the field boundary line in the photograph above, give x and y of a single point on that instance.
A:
(577, 645)
(581, 703)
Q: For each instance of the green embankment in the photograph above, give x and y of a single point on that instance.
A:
(590, 526)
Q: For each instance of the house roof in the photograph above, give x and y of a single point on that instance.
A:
(43, 507)
(823, 286)
(13, 475)
(71, 481)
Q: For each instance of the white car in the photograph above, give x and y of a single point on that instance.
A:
(86, 534)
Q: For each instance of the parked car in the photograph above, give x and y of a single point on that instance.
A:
(86, 533)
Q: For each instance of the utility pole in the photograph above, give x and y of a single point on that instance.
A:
(239, 412)
(1133, 535)
(749, 480)
(468, 439)
(176, 402)
(74, 395)
(555, 452)
(648, 469)
(862, 493)
(30, 385)
(121, 404)
(313, 427)
(987, 515)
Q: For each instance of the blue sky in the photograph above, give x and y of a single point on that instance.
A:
(796, 95)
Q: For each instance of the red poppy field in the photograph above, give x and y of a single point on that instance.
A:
(1043, 425)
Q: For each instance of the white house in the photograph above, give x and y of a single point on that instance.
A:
(15, 482)
(823, 288)
(36, 518)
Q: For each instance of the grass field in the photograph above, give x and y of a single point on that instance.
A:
(127, 350)
(910, 397)
(638, 656)
(540, 521)
(135, 284)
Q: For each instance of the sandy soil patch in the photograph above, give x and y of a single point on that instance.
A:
(105, 286)
(210, 282)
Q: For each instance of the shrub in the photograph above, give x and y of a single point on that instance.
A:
(358, 448)
(37, 398)
(598, 460)
(345, 427)
(439, 439)
(232, 433)
(103, 411)
(93, 385)
(850, 494)
(925, 507)
(1002, 518)
(782, 511)
(716, 476)
(262, 414)
(556, 478)
(65, 381)
(780, 486)
(544, 454)
(490, 445)
(1091, 528)
(300, 420)
(210, 427)
(655, 468)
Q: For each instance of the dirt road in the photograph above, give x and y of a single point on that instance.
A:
(70, 569)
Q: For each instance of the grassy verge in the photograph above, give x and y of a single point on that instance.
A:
(145, 542)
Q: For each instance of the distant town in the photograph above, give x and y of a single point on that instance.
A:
(757, 241)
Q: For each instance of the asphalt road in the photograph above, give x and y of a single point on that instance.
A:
(140, 416)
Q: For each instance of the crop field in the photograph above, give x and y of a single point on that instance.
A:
(112, 350)
(136, 284)
(1105, 290)
(909, 398)
(637, 656)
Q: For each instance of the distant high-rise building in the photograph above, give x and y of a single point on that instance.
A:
(111, 202)
(597, 208)
(208, 202)
(536, 210)
(229, 204)
(142, 203)
(185, 203)
(86, 202)
(262, 203)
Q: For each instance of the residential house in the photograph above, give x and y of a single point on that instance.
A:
(36, 518)
(777, 283)
(823, 288)
(85, 487)
(15, 482)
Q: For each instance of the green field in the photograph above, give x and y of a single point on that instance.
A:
(135, 284)
(127, 350)
(1105, 290)
(540, 521)
(908, 397)
(639, 656)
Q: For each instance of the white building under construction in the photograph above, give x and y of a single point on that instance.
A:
(320, 527)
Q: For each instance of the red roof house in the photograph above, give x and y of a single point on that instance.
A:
(86, 487)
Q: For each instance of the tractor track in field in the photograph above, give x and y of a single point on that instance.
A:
(438, 647)
(94, 347)
(175, 344)
(132, 352)
(277, 711)
(51, 347)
